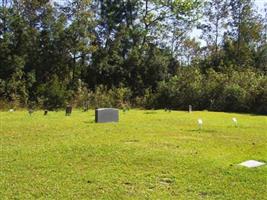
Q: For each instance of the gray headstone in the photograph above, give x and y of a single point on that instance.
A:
(104, 115)
(190, 109)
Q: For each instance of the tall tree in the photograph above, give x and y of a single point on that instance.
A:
(245, 28)
(214, 23)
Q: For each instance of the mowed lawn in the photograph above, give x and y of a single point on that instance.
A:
(147, 155)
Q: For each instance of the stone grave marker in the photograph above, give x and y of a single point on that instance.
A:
(234, 121)
(252, 163)
(68, 110)
(190, 109)
(200, 123)
(105, 115)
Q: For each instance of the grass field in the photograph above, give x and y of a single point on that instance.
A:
(147, 155)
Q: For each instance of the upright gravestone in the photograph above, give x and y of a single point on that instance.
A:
(234, 121)
(190, 109)
(105, 115)
(200, 123)
(45, 112)
(68, 110)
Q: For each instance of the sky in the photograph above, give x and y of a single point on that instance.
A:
(260, 4)
(196, 33)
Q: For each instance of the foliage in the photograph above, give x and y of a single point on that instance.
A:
(53, 94)
(242, 91)
(114, 97)
(138, 52)
(181, 90)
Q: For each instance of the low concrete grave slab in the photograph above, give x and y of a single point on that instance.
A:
(252, 163)
(105, 115)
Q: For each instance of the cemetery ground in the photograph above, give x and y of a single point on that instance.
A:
(147, 155)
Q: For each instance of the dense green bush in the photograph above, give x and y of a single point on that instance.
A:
(181, 90)
(232, 91)
(233, 98)
(53, 95)
(103, 97)
(260, 100)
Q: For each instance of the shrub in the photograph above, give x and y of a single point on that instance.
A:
(181, 90)
(53, 94)
(260, 104)
(233, 98)
(104, 97)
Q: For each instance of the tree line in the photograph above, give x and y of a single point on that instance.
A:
(140, 53)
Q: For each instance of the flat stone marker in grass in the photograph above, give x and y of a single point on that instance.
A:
(252, 163)
(105, 115)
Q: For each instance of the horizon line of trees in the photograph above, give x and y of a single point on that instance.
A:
(138, 53)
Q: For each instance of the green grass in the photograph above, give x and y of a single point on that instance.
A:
(147, 155)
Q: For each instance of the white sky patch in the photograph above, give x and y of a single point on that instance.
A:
(196, 33)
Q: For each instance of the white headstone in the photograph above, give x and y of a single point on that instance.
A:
(200, 123)
(234, 121)
(11, 110)
(252, 163)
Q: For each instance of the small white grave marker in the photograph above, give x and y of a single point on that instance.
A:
(234, 121)
(252, 163)
(200, 123)
(11, 110)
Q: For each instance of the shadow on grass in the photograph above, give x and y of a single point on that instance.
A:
(89, 122)
(130, 141)
(202, 130)
(150, 113)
